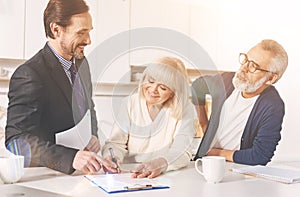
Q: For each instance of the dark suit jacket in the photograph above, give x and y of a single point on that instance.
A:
(40, 105)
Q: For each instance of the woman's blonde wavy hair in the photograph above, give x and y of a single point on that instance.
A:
(172, 73)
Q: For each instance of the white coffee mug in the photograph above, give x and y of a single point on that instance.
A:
(213, 168)
(11, 168)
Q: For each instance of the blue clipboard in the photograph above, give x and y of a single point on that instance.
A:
(119, 183)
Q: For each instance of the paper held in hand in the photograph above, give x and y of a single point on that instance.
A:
(271, 173)
(78, 136)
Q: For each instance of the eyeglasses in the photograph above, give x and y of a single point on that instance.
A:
(251, 65)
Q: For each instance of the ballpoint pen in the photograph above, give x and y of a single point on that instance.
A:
(114, 159)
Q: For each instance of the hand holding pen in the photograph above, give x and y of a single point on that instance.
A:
(89, 162)
(113, 158)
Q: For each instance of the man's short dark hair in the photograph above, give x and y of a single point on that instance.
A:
(60, 12)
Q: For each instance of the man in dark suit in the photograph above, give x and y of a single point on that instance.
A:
(41, 98)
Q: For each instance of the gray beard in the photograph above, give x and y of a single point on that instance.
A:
(78, 55)
(247, 86)
(73, 54)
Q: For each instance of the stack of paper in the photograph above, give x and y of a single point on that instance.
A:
(271, 173)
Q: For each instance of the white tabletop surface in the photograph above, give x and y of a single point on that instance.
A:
(185, 182)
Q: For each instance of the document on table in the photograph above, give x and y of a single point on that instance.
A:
(271, 173)
(117, 183)
(78, 136)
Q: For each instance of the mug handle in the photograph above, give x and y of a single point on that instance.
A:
(200, 171)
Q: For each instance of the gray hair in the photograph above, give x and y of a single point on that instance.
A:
(279, 62)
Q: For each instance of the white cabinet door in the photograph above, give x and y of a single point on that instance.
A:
(12, 17)
(112, 19)
(160, 13)
(168, 14)
(93, 5)
(204, 22)
(35, 37)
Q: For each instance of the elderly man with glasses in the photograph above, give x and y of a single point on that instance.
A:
(247, 111)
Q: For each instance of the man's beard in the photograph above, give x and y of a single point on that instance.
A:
(78, 55)
(74, 53)
(247, 86)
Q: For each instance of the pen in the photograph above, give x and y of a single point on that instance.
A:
(139, 187)
(113, 158)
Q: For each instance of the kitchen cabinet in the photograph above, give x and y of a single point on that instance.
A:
(170, 14)
(12, 22)
(160, 13)
(23, 22)
(113, 18)
(116, 16)
(204, 28)
(22, 34)
(35, 37)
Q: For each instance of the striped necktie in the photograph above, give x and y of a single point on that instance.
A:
(78, 92)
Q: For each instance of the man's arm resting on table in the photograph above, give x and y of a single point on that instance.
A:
(228, 154)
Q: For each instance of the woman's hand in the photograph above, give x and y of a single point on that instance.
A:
(151, 169)
(117, 164)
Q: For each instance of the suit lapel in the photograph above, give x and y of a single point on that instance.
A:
(83, 71)
(60, 78)
(58, 74)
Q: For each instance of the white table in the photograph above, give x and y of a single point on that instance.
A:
(185, 182)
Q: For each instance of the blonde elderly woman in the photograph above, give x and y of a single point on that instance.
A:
(155, 125)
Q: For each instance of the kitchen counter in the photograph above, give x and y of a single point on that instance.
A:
(114, 89)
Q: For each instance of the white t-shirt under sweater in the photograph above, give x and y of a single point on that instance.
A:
(139, 139)
(233, 119)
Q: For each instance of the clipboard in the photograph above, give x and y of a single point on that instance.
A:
(119, 183)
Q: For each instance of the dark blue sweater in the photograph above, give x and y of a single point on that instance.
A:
(262, 131)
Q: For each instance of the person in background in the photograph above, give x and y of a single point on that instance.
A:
(155, 125)
(41, 101)
(247, 110)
